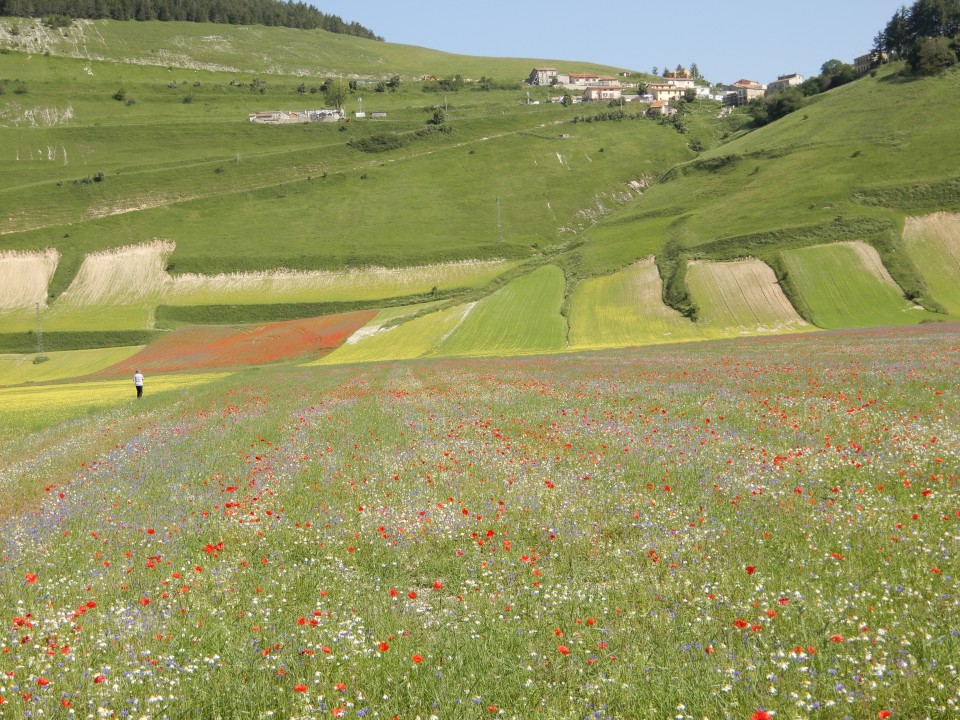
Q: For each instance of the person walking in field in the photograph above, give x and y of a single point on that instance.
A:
(138, 381)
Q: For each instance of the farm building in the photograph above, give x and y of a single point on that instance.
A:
(279, 117)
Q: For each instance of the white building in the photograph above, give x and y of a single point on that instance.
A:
(784, 81)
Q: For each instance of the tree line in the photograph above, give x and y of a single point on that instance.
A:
(926, 35)
(233, 12)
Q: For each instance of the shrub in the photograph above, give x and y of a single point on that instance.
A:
(379, 143)
(57, 21)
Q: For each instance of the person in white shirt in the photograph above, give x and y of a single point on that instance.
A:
(138, 381)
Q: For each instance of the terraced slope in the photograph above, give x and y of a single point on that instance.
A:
(741, 297)
(933, 244)
(521, 318)
(846, 285)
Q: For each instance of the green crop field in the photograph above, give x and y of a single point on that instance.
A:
(843, 288)
(19, 369)
(27, 408)
(522, 317)
(626, 308)
(392, 336)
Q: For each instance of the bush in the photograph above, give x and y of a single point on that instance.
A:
(57, 21)
(379, 143)
(930, 55)
(119, 95)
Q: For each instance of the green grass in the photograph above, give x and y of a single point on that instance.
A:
(521, 318)
(26, 342)
(393, 336)
(842, 291)
(19, 369)
(42, 406)
(210, 175)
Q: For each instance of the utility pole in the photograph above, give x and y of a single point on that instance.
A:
(40, 356)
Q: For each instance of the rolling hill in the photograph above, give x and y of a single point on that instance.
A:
(137, 197)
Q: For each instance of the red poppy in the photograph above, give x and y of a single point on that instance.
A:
(299, 687)
(31, 578)
(437, 584)
(740, 623)
(761, 715)
(884, 714)
(750, 569)
(563, 649)
(42, 681)
(383, 647)
(417, 658)
(98, 679)
(836, 638)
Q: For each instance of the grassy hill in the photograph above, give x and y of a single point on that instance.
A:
(128, 158)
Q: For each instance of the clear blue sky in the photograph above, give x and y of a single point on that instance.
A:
(729, 40)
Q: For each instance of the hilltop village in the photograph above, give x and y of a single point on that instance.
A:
(674, 85)
(661, 96)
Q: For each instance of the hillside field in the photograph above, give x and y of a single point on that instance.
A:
(136, 196)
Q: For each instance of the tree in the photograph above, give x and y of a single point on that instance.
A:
(909, 28)
(835, 73)
(767, 109)
(394, 83)
(439, 117)
(337, 91)
(931, 55)
(656, 70)
(694, 71)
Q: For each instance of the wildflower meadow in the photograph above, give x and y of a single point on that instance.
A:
(758, 529)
